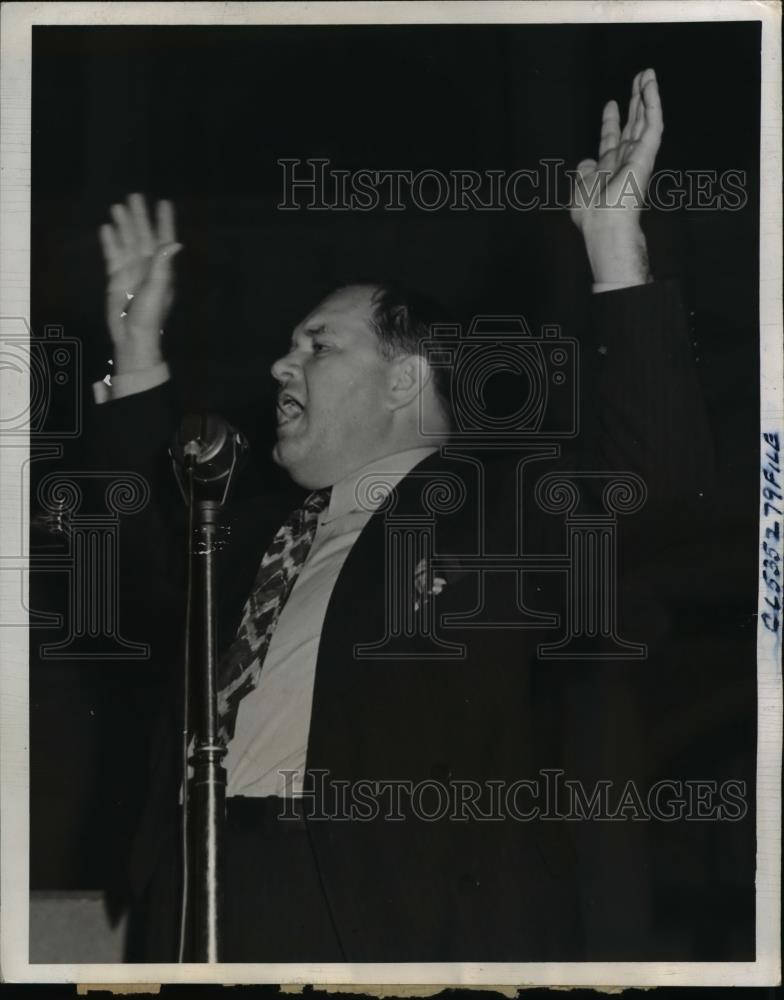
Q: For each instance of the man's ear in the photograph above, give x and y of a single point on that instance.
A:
(408, 377)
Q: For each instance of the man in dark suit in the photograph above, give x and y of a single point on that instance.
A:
(395, 670)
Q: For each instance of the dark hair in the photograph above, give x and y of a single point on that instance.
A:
(402, 320)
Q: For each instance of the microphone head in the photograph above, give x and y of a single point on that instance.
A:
(210, 445)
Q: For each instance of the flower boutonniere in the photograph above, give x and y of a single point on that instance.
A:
(426, 584)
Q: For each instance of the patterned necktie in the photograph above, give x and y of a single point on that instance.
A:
(240, 667)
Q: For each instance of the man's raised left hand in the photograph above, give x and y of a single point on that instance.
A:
(609, 192)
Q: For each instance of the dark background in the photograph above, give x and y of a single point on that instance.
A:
(201, 115)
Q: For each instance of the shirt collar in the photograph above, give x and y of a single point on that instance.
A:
(365, 489)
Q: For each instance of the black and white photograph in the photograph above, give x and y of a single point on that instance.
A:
(391, 558)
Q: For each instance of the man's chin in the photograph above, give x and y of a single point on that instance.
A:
(281, 455)
(299, 471)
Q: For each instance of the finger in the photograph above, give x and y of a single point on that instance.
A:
(112, 253)
(638, 124)
(647, 145)
(611, 128)
(137, 210)
(164, 212)
(633, 105)
(126, 234)
(160, 271)
(652, 117)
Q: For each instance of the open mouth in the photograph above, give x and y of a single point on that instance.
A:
(289, 409)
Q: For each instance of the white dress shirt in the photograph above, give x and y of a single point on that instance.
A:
(273, 720)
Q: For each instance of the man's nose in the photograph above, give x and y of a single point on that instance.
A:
(284, 369)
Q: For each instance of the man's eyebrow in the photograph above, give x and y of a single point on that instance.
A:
(312, 330)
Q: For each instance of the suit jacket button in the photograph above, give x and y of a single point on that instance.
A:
(467, 883)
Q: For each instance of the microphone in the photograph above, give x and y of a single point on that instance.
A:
(209, 448)
(206, 452)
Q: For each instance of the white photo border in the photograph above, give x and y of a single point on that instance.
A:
(15, 93)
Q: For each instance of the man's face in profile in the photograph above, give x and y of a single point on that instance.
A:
(333, 383)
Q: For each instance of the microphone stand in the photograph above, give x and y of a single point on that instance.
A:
(195, 465)
(208, 784)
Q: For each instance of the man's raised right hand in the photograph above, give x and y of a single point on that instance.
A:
(140, 287)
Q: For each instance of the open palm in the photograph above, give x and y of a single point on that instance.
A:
(611, 190)
(140, 289)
